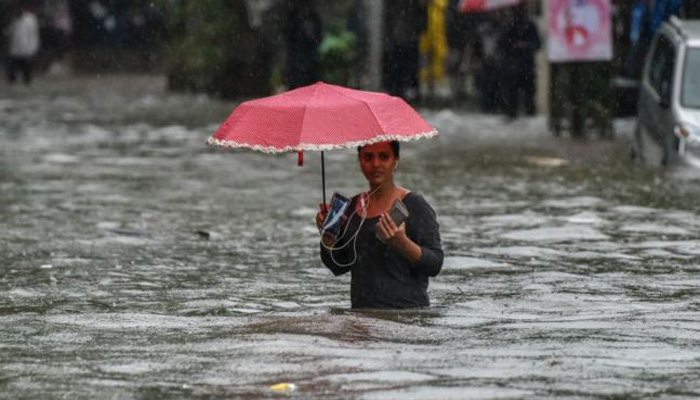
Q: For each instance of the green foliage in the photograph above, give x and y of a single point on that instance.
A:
(215, 50)
(337, 53)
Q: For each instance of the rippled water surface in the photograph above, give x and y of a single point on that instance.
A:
(138, 263)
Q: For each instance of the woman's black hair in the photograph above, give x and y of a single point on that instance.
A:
(395, 148)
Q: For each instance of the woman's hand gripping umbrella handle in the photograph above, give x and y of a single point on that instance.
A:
(323, 177)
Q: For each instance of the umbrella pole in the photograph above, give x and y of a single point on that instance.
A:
(323, 177)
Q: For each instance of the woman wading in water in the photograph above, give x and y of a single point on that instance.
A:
(390, 264)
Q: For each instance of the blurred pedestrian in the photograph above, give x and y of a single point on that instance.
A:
(519, 43)
(461, 39)
(641, 33)
(663, 9)
(23, 35)
(645, 19)
(303, 33)
(488, 58)
(56, 35)
(433, 46)
(404, 20)
(357, 25)
(63, 25)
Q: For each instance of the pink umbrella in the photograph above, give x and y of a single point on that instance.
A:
(320, 117)
(468, 6)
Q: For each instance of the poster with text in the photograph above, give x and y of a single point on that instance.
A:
(579, 30)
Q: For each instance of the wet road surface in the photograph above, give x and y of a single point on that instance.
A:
(138, 263)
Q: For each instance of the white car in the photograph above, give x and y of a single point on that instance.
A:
(668, 126)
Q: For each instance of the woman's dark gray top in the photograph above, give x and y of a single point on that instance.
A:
(381, 276)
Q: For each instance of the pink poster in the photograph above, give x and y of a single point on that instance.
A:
(579, 30)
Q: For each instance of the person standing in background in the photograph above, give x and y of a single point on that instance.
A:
(23, 35)
(640, 37)
(356, 24)
(433, 46)
(404, 20)
(461, 39)
(303, 32)
(663, 9)
(488, 64)
(645, 19)
(519, 42)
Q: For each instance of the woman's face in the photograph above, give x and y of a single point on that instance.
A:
(377, 162)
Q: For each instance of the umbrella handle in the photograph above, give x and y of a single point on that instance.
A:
(323, 177)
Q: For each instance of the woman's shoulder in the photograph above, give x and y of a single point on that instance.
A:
(416, 202)
(413, 197)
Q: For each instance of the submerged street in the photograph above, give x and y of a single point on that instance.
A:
(137, 262)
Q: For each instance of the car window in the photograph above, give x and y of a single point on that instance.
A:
(662, 61)
(690, 92)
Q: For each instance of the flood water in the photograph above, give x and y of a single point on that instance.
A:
(136, 262)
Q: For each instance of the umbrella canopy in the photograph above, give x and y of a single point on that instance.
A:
(320, 117)
(468, 6)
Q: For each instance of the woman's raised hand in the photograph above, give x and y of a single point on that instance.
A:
(388, 231)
